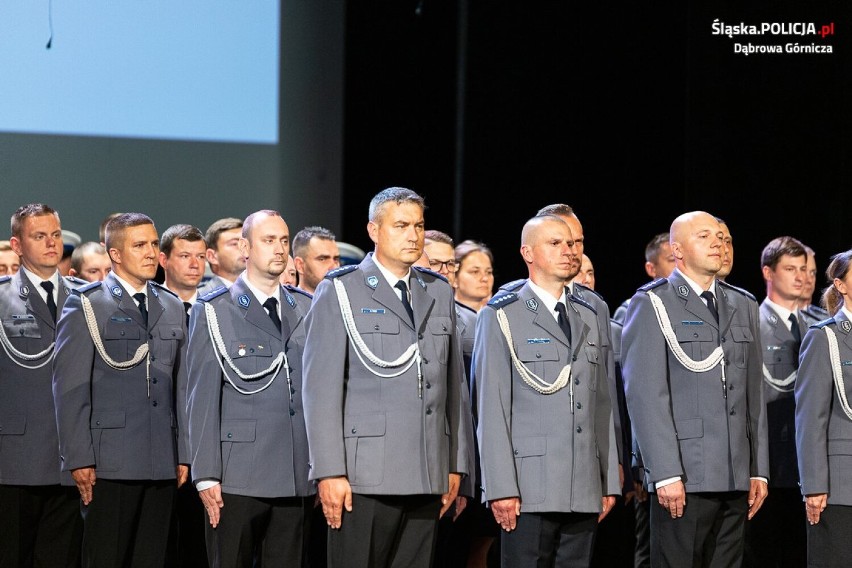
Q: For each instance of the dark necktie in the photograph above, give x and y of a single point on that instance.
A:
(794, 328)
(711, 304)
(51, 303)
(563, 320)
(271, 305)
(143, 309)
(404, 296)
(186, 307)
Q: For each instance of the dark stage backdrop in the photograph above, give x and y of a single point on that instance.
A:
(631, 114)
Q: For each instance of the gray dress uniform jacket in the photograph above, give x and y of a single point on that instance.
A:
(554, 456)
(823, 430)
(29, 446)
(686, 423)
(107, 418)
(385, 434)
(781, 359)
(211, 285)
(254, 444)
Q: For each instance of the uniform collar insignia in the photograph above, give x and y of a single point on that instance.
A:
(773, 318)
(420, 280)
(154, 290)
(683, 290)
(116, 291)
(244, 300)
(67, 291)
(290, 299)
(532, 305)
(25, 291)
(372, 282)
(846, 325)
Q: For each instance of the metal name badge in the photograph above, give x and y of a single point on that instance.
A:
(688, 322)
(244, 300)
(116, 291)
(372, 282)
(683, 290)
(372, 310)
(532, 305)
(538, 340)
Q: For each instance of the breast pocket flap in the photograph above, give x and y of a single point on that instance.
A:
(361, 425)
(13, 425)
(532, 352)
(377, 323)
(238, 430)
(687, 429)
(440, 326)
(168, 332)
(114, 419)
(740, 333)
(527, 447)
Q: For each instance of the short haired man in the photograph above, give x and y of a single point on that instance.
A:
(9, 259)
(777, 537)
(223, 253)
(544, 411)
(441, 250)
(388, 416)
(90, 262)
(40, 523)
(811, 313)
(119, 384)
(315, 252)
(586, 276)
(183, 254)
(691, 356)
(247, 426)
(290, 277)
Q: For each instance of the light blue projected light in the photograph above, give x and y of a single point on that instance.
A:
(188, 70)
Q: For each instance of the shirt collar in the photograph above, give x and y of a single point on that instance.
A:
(780, 310)
(260, 294)
(37, 280)
(547, 298)
(128, 287)
(698, 290)
(390, 276)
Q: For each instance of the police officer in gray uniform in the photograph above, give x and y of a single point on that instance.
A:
(119, 384)
(546, 433)
(692, 370)
(247, 429)
(387, 410)
(40, 522)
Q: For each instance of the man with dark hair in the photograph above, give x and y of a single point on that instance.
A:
(811, 313)
(90, 262)
(119, 384)
(247, 434)
(183, 254)
(777, 536)
(315, 252)
(223, 253)
(388, 416)
(40, 522)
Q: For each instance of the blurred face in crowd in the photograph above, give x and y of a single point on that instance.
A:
(664, 264)
(227, 260)
(94, 268)
(810, 281)
(9, 262)
(474, 280)
(320, 256)
(586, 276)
(727, 252)
(184, 267)
(442, 259)
(289, 276)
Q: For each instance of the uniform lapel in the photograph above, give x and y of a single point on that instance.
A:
(726, 308)
(421, 300)
(692, 302)
(251, 309)
(543, 318)
(579, 327)
(33, 300)
(382, 292)
(124, 300)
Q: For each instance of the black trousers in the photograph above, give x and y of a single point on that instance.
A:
(255, 532)
(40, 526)
(187, 546)
(830, 540)
(776, 536)
(709, 534)
(642, 531)
(545, 540)
(127, 523)
(396, 531)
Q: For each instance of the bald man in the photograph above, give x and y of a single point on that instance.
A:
(691, 355)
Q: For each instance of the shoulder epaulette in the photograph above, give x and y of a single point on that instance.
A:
(582, 302)
(340, 271)
(4, 279)
(742, 291)
(823, 323)
(652, 284)
(164, 289)
(293, 290)
(816, 311)
(587, 289)
(215, 293)
(502, 298)
(87, 287)
(430, 271)
(513, 286)
(460, 305)
(75, 280)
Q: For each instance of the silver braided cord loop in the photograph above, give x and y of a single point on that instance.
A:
(531, 379)
(408, 358)
(219, 345)
(15, 355)
(92, 324)
(837, 371)
(782, 385)
(671, 339)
